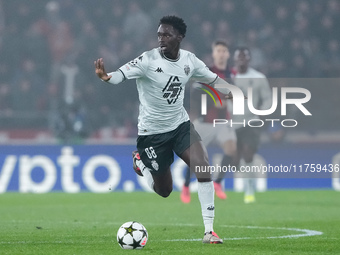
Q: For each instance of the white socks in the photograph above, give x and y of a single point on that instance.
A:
(146, 173)
(249, 186)
(249, 180)
(206, 194)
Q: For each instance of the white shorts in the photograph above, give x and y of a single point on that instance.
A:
(214, 135)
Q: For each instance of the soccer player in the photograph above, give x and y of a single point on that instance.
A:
(248, 138)
(163, 124)
(222, 135)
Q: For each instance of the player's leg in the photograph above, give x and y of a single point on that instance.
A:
(207, 134)
(163, 183)
(153, 160)
(142, 170)
(227, 140)
(187, 177)
(197, 156)
(226, 161)
(248, 153)
(241, 151)
(248, 149)
(189, 147)
(160, 183)
(185, 193)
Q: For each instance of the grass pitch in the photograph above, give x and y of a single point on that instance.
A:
(280, 222)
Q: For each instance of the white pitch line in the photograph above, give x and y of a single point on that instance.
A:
(305, 233)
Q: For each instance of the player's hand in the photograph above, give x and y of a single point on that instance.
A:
(100, 70)
(230, 96)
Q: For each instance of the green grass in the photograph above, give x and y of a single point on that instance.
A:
(86, 223)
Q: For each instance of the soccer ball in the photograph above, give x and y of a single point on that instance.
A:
(132, 235)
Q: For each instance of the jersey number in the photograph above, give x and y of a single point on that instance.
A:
(150, 152)
(172, 89)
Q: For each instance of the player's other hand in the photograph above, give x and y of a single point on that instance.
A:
(100, 70)
(230, 96)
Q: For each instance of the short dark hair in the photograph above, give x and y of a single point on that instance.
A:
(176, 22)
(220, 42)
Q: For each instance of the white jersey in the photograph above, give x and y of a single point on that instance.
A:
(160, 84)
(261, 93)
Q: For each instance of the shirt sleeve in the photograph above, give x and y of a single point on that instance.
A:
(135, 68)
(117, 77)
(202, 73)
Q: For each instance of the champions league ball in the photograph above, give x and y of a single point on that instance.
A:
(132, 235)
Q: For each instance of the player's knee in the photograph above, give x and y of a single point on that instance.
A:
(164, 192)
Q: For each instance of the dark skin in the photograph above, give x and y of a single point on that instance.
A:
(100, 70)
(242, 59)
(169, 40)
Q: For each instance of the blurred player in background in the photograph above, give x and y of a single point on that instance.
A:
(223, 135)
(163, 124)
(248, 138)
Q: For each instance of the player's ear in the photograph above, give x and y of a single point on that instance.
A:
(180, 37)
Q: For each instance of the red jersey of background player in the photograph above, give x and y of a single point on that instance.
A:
(219, 112)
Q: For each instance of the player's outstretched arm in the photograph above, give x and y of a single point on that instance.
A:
(100, 70)
(227, 88)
